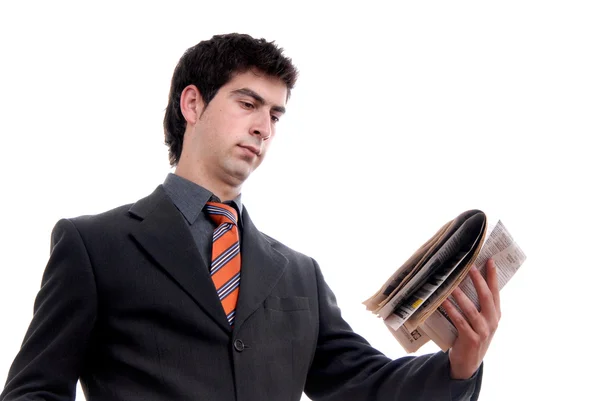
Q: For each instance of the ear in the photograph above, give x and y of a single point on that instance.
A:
(191, 104)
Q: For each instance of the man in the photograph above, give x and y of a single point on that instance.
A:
(180, 297)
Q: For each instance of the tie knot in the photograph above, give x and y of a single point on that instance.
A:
(221, 213)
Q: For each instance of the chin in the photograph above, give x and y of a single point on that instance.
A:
(240, 171)
(241, 175)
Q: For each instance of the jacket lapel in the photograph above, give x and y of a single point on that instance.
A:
(163, 234)
(262, 267)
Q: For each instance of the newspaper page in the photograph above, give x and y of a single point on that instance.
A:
(467, 233)
(391, 287)
(388, 292)
(468, 236)
(445, 289)
(411, 341)
(508, 257)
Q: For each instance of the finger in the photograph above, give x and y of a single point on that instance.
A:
(462, 326)
(492, 281)
(474, 318)
(486, 299)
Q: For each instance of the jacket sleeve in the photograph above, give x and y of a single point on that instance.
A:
(346, 368)
(48, 364)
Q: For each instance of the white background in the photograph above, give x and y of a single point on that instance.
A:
(405, 115)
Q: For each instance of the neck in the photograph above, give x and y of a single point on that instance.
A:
(220, 189)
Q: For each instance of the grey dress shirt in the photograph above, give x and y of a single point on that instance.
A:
(190, 198)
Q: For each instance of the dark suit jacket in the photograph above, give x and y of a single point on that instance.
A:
(128, 306)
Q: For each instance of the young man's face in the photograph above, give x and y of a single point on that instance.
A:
(234, 132)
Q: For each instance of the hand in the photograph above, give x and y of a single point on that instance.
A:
(474, 333)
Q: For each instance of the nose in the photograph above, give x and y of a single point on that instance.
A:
(262, 126)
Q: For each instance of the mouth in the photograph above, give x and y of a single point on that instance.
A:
(252, 149)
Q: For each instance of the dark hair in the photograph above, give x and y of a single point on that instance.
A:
(211, 64)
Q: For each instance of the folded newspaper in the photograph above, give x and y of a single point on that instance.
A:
(410, 300)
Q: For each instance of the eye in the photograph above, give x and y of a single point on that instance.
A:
(274, 119)
(247, 105)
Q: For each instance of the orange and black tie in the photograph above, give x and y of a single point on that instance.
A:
(226, 259)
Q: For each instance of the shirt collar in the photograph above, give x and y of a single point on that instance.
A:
(190, 198)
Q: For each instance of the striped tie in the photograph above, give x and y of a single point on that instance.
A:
(226, 259)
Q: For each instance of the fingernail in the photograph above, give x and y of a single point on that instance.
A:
(493, 263)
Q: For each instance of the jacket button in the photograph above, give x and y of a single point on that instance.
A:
(238, 345)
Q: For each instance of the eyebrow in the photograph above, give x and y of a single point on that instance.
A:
(258, 98)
